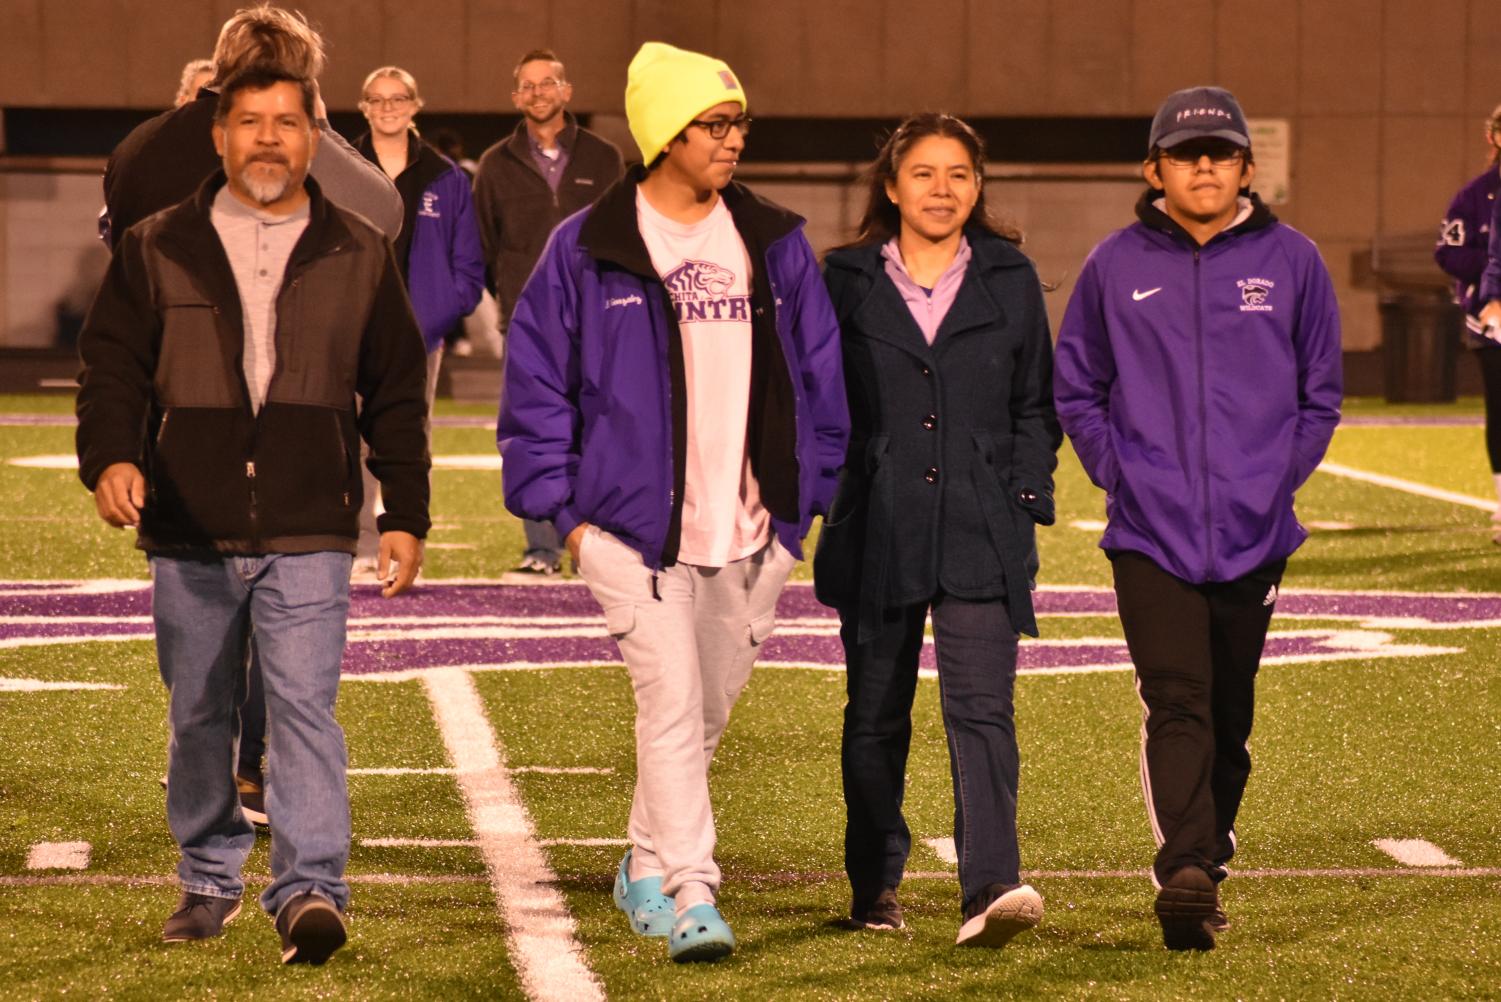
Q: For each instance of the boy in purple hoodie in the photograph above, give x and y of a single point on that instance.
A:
(1198, 376)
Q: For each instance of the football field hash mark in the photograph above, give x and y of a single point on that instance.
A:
(1415, 852)
(944, 849)
(58, 856)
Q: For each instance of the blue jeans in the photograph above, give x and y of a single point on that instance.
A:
(205, 610)
(542, 542)
(976, 649)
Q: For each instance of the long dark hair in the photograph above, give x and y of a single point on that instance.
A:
(1493, 126)
(882, 220)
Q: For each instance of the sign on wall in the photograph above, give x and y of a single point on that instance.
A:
(1271, 139)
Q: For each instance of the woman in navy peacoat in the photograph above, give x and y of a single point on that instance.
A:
(948, 368)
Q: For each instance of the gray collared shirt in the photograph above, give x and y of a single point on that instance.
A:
(551, 163)
(258, 245)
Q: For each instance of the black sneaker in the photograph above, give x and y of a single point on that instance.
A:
(252, 791)
(199, 916)
(311, 929)
(1185, 906)
(998, 913)
(885, 912)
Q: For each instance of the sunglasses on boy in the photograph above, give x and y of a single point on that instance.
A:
(1220, 153)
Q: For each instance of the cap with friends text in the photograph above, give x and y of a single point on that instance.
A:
(1199, 113)
(667, 87)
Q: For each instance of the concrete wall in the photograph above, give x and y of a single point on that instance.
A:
(1385, 97)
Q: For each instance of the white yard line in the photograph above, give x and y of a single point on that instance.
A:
(41, 685)
(402, 772)
(10, 643)
(539, 928)
(58, 856)
(1408, 486)
(1415, 852)
(251, 879)
(468, 843)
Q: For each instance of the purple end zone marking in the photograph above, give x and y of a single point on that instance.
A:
(572, 604)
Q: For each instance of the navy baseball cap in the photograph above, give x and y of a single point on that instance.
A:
(1199, 113)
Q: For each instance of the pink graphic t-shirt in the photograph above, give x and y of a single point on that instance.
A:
(707, 273)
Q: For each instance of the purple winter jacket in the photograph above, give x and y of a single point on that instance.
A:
(1200, 387)
(1490, 282)
(1461, 248)
(593, 418)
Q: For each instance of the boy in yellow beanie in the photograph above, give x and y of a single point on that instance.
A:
(674, 403)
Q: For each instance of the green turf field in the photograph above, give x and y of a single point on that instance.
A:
(1402, 744)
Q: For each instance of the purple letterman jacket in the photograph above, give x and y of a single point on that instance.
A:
(593, 419)
(1462, 243)
(1200, 387)
(1490, 282)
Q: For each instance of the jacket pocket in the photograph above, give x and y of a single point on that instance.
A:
(191, 367)
(305, 474)
(620, 620)
(1012, 527)
(839, 558)
(353, 492)
(199, 490)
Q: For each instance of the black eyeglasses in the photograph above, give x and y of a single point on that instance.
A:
(1220, 156)
(720, 127)
(397, 101)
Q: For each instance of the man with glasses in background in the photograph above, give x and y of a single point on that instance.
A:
(527, 183)
(1198, 375)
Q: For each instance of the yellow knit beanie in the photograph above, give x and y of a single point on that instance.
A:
(667, 87)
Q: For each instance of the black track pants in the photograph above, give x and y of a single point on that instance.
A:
(1196, 648)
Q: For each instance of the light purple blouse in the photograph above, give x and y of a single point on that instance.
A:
(928, 309)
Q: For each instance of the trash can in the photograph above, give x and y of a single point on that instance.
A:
(1420, 335)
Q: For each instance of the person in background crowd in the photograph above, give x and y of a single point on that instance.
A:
(164, 160)
(673, 402)
(1461, 251)
(438, 249)
(545, 171)
(948, 365)
(449, 143)
(195, 76)
(1199, 378)
(224, 437)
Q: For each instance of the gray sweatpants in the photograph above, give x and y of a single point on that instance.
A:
(689, 653)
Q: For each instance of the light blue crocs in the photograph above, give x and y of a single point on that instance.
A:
(700, 934)
(643, 902)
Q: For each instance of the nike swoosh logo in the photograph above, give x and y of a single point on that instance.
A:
(1139, 296)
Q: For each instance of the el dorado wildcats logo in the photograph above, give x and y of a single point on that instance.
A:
(1254, 293)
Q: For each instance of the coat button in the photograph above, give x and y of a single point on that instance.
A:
(927, 371)
(930, 422)
(931, 475)
(1027, 496)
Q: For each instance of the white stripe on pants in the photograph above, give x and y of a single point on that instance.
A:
(690, 653)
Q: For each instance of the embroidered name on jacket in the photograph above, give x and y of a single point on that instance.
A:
(430, 206)
(700, 292)
(1254, 293)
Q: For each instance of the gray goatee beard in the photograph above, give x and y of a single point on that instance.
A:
(264, 190)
